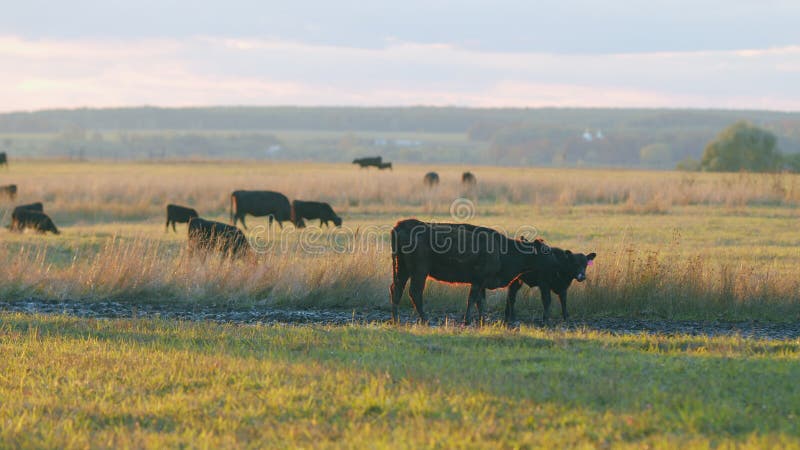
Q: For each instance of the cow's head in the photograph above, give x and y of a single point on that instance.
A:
(337, 221)
(574, 264)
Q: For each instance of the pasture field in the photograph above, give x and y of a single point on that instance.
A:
(670, 244)
(132, 383)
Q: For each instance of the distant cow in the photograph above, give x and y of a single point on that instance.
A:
(468, 179)
(30, 206)
(385, 165)
(555, 276)
(457, 253)
(37, 220)
(259, 204)
(431, 179)
(3, 159)
(374, 161)
(9, 190)
(208, 235)
(179, 214)
(313, 210)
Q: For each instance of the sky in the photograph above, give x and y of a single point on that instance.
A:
(568, 53)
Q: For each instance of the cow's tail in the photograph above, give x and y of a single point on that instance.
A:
(398, 240)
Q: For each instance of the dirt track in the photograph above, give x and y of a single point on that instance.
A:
(755, 329)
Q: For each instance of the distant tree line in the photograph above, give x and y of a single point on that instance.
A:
(507, 136)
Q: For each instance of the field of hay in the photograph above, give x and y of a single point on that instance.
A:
(669, 244)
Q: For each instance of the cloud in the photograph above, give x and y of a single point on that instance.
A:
(210, 70)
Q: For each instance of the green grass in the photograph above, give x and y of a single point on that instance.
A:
(77, 383)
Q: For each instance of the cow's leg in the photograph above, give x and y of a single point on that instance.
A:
(173, 227)
(562, 297)
(415, 292)
(511, 298)
(166, 227)
(472, 298)
(241, 218)
(399, 280)
(545, 290)
(481, 301)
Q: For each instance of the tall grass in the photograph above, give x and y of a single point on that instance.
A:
(622, 282)
(735, 259)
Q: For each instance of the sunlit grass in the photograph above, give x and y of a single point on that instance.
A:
(76, 383)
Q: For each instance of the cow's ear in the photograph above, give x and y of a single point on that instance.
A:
(568, 253)
(591, 256)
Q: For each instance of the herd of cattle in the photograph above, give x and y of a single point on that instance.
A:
(481, 257)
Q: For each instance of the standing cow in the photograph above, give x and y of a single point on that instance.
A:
(208, 235)
(313, 210)
(3, 159)
(555, 276)
(28, 218)
(179, 214)
(9, 190)
(457, 253)
(468, 179)
(431, 179)
(260, 203)
(374, 161)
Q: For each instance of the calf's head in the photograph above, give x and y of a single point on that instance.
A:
(574, 264)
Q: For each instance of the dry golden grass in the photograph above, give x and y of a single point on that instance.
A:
(670, 244)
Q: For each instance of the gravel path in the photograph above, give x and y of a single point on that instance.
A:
(754, 329)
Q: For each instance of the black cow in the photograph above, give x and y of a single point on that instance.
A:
(260, 203)
(431, 179)
(385, 165)
(468, 179)
(30, 206)
(3, 159)
(37, 220)
(457, 253)
(556, 276)
(208, 235)
(373, 161)
(179, 214)
(9, 190)
(313, 210)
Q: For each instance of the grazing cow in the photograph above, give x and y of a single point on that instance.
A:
(30, 207)
(259, 204)
(9, 190)
(209, 235)
(3, 159)
(468, 179)
(457, 253)
(374, 161)
(313, 210)
(431, 179)
(180, 214)
(28, 218)
(556, 276)
(385, 165)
